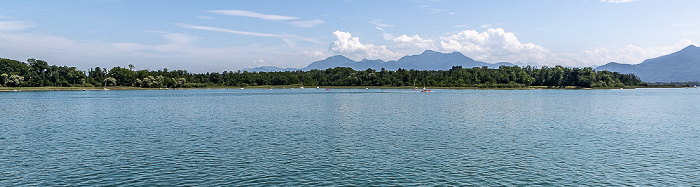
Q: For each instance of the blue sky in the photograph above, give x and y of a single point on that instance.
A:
(216, 35)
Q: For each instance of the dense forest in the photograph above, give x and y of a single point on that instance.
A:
(37, 73)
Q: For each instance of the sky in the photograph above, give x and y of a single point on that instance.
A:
(221, 35)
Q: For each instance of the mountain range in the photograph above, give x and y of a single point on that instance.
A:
(681, 66)
(428, 60)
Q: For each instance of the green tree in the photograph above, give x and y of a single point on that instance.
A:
(3, 79)
(180, 82)
(14, 80)
(109, 81)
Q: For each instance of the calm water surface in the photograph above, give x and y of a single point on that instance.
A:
(350, 137)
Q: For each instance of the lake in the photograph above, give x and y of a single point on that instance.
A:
(359, 137)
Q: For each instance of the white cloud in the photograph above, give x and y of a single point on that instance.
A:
(413, 42)
(617, 1)
(315, 55)
(496, 45)
(387, 36)
(14, 25)
(345, 44)
(252, 14)
(309, 23)
(379, 28)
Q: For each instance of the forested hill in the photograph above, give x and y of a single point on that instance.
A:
(37, 73)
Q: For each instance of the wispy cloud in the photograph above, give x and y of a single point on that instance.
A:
(252, 14)
(14, 25)
(617, 1)
(207, 28)
(433, 10)
(378, 22)
(309, 23)
(286, 37)
(379, 25)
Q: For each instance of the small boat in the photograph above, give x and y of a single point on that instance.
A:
(106, 89)
(424, 90)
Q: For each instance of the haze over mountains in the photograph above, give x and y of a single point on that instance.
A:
(680, 66)
(428, 60)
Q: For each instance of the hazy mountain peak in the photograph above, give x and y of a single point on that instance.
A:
(429, 52)
(690, 49)
(337, 57)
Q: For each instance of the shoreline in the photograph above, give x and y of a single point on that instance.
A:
(10, 89)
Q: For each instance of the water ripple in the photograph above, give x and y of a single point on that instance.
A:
(350, 137)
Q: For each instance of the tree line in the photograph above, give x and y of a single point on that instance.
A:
(37, 73)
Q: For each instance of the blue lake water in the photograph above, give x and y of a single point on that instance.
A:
(350, 137)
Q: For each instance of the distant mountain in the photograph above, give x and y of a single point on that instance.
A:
(268, 69)
(680, 66)
(428, 60)
(330, 62)
(432, 60)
